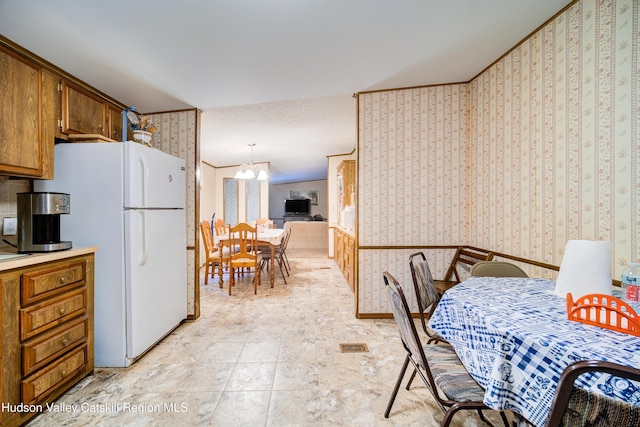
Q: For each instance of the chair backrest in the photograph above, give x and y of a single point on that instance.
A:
(467, 256)
(425, 289)
(220, 227)
(285, 239)
(207, 237)
(496, 269)
(265, 221)
(605, 311)
(618, 406)
(402, 316)
(243, 237)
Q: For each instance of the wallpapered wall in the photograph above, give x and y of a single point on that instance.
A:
(540, 148)
(177, 133)
(556, 121)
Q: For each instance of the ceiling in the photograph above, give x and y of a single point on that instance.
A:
(277, 73)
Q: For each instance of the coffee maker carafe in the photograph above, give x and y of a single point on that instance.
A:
(39, 221)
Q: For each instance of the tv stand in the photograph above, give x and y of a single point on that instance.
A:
(297, 218)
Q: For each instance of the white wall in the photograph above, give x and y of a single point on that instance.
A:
(278, 193)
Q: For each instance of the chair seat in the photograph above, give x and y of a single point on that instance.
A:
(450, 375)
(444, 285)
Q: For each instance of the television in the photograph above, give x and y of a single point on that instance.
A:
(297, 207)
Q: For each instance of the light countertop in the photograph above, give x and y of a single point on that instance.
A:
(9, 259)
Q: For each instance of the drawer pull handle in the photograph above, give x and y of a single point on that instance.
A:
(62, 280)
(62, 311)
(63, 373)
(65, 342)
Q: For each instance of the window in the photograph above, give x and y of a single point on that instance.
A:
(252, 194)
(245, 209)
(231, 201)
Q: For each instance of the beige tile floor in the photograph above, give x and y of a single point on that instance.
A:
(271, 359)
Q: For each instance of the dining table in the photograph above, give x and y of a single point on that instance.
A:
(514, 338)
(266, 237)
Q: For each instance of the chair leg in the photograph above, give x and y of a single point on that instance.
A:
(415, 371)
(284, 255)
(397, 386)
(206, 273)
(281, 272)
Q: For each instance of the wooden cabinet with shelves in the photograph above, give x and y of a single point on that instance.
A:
(47, 334)
(26, 98)
(346, 184)
(344, 254)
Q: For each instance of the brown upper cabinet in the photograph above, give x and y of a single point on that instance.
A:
(40, 103)
(82, 111)
(27, 107)
(115, 123)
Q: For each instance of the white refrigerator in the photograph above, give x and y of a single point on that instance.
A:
(129, 201)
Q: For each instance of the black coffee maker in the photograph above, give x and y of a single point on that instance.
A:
(39, 221)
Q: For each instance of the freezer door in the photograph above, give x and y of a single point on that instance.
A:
(156, 275)
(153, 179)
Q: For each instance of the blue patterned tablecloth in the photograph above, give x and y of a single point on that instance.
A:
(514, 338)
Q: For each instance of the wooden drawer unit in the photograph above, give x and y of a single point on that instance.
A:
(46, 315)
(344, 254)
(41, 284)
(41, 384)
(47, 333)
(40, 351)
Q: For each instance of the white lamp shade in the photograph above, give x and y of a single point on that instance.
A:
(585, 269)
(262, 175)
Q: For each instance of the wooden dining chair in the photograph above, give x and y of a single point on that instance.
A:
(220, 228)
(497, 269)
(264, 221)
(243, 237)
(277, 253)
(437, 365)
(214, 254)
(463, 257)
(575, 406)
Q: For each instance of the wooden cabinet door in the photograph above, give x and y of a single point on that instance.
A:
(82, 112)
(20, 126)
(115, 124)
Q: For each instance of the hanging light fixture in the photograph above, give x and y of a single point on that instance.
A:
(248, 170)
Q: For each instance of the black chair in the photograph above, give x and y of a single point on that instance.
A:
(438, 365)
(426, 292)
(575, 406)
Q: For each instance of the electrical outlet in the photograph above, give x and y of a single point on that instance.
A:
(10, 226)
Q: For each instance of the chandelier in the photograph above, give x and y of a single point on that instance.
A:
(249, 171)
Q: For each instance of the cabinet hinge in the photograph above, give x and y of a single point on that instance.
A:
(60, 123)
(59, 86)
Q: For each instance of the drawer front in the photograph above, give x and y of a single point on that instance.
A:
(44, 316)
(38, 386)
(40, 351)
(47, 282)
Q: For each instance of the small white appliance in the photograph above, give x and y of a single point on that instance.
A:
(129, 201)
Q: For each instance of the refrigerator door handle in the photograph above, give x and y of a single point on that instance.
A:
(145, 239)
(145, 178)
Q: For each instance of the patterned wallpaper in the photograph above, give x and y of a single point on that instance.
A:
(540, 148)
(178, 134)
(556, 122)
